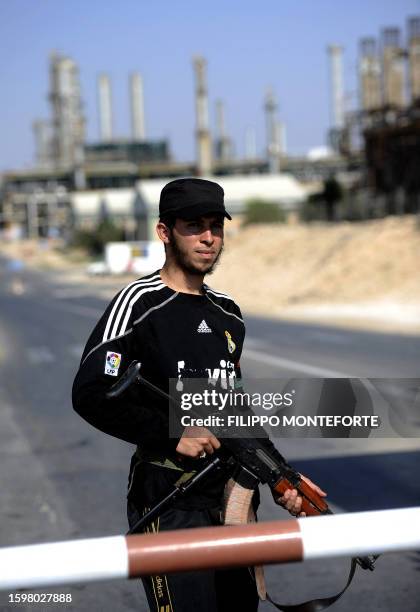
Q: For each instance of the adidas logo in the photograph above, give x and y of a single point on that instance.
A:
(203, 328)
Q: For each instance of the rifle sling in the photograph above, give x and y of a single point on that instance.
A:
(316, 605)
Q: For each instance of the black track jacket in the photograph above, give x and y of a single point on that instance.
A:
(173, 335)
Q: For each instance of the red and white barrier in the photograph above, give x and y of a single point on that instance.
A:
(356, 534)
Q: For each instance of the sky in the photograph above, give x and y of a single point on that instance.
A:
(249, 47)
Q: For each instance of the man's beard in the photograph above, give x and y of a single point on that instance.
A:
(187, 266)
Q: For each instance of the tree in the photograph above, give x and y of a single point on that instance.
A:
(261, 211)
(95, 240)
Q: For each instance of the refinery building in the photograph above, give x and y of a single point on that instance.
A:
(375, 148)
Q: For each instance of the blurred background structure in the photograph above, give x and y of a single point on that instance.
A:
(67, 121)
(369, 164)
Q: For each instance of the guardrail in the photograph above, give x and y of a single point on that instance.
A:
(355, 534)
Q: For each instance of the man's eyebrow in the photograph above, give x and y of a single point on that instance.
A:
(215, 218)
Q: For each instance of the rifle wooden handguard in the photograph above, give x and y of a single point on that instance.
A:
(312, 503)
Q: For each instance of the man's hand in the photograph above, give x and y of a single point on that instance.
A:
(197, 442)
(293, 502)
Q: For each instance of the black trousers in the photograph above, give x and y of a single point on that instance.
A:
(201, 591)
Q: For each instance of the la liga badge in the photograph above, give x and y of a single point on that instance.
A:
(112, 363)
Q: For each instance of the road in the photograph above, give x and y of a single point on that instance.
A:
(61, 479)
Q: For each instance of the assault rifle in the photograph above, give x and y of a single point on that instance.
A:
(256, 465)
(249, 453)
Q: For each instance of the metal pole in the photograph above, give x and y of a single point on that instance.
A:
(344, 535)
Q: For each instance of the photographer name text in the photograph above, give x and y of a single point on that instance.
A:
(330, 420)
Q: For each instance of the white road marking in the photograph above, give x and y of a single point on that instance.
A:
(84, 311)
(49, 512)
(328, 337)
(323, 448)
(17, 287)
(71, 292)
(254, 343)
(76, 350)
(295, 366)
(37, 355)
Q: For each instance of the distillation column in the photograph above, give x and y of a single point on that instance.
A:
(369, 75)
(68, 122)
(393, 69)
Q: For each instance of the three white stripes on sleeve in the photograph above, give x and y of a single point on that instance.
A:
(124, 305)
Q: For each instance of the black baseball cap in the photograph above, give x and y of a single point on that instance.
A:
(189, 198)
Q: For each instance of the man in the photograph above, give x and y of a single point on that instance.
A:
(177, 327)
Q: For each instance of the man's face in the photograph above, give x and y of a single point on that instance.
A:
(197, 245)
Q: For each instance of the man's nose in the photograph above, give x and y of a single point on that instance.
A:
(207, 236)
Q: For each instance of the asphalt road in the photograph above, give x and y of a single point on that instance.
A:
(61, 479)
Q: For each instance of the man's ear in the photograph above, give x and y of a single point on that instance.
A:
(163, 232)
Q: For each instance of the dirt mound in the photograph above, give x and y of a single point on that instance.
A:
(283, 270)
(355, 274)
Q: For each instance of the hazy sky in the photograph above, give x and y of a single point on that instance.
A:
(248, 45)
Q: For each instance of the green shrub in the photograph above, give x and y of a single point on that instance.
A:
(261, 211)
(94, 240)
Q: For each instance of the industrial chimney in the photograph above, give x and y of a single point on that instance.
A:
(203, 141)
(250, 143)
(223, 144)
(105, 107)
(281, 137)
(273, 145)
(138, 130)
(337, 95)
